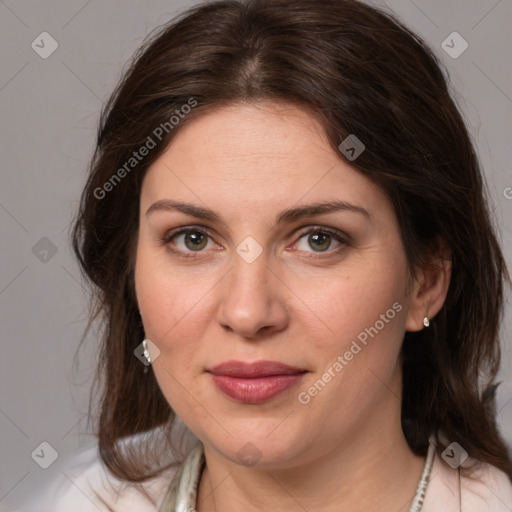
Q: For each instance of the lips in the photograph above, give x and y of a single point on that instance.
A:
(254, 383)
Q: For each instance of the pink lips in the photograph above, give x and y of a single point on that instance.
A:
(254, 383)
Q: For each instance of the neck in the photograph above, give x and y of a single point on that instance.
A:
(371, 469)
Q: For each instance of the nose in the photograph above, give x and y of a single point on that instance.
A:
(252, 300)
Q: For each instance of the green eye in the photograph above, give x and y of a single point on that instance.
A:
(195, 240)
(320, 240)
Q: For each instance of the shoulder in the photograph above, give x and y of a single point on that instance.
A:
(84, 484)
(486, 488)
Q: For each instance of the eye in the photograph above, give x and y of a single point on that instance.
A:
(189, 240)
(320, 240)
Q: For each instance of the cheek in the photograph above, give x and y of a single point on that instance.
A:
(176, 308)
(357, 361)
(168, 299)
(362, 313)
(167, 305)
(349, 303)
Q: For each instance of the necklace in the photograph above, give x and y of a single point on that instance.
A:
(419, 497)
(182, 493)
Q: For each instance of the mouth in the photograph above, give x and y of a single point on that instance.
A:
(254, 383)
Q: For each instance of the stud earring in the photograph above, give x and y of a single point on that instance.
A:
(426, 321)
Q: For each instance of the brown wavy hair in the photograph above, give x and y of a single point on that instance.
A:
(358, 70)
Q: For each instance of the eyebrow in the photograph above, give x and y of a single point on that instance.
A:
(284, 217)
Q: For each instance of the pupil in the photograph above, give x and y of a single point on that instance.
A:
(323, 238)
(196, 239)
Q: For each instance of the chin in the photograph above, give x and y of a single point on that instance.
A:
(262, 445)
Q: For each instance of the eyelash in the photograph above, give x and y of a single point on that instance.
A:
(338, 235)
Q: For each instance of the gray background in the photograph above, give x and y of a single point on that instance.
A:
(49, 111)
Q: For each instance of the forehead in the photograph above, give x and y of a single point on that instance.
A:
(254, 157)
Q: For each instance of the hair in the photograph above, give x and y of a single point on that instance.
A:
(357, 70)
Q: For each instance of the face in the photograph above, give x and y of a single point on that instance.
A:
(279, 322)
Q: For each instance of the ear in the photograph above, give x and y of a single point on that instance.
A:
(430, 287)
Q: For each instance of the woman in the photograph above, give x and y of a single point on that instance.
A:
(285, 218)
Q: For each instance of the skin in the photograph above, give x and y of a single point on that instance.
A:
(344, 450)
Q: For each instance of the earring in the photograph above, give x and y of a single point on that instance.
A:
(146, 351)
(426, 321)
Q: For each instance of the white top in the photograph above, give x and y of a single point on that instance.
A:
(88, 487)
